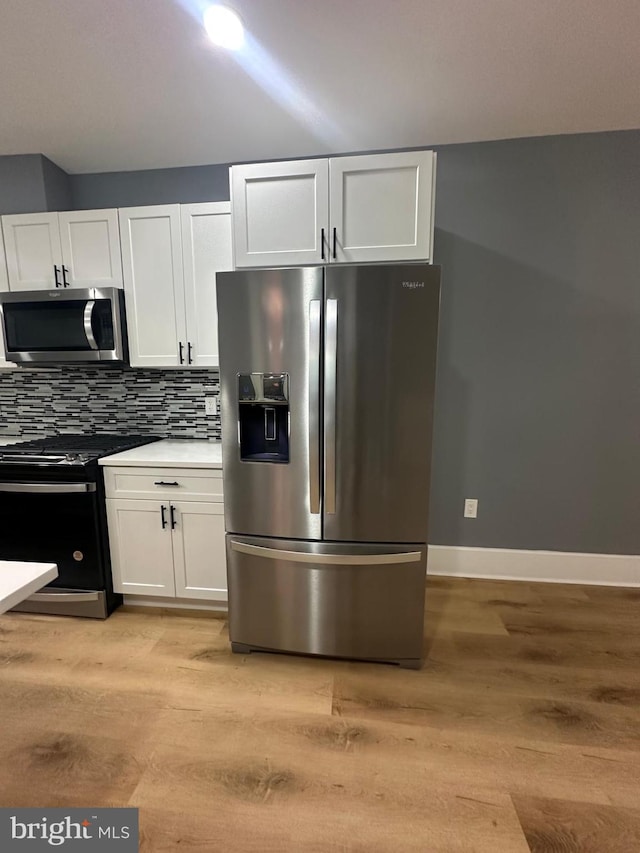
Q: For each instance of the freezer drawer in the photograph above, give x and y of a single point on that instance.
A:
(363, 601)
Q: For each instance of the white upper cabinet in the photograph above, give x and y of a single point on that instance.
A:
(280, 213)
(34, 255)
(170, 256)
(153, 285)
(90, 241)
(206, 250)
(4, 279)
(381, 207)
(74, 249)
(4, 286)
(363, 209)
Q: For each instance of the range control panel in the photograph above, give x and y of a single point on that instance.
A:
(263, 388)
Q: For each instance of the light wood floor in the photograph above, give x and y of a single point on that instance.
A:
(522, 731)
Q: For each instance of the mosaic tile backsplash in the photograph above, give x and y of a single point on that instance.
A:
(86, 398)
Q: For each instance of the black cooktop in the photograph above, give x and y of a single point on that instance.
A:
(85, 447)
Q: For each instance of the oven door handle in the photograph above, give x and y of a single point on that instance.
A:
(88, 327)
(64, 596)
(48, 488)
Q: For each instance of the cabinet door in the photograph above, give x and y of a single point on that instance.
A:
(206, 250)
(199, 550)
(4, 286)
(32, 244)
(280, 213)
(141, 548)
(153, 284)
(381, 207)
(90, 241)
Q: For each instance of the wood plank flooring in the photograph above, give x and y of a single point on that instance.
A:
(520, 733)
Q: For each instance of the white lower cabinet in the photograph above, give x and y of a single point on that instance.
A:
(141, 547)
(199, 551)
(172, 546)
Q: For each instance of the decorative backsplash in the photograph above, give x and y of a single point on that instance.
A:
(87, 398)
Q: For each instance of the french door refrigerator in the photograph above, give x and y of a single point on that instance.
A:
(327, 386)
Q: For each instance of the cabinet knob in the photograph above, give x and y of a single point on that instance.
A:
(181, 352)
(334, 244)
(65, 283)
(55, 273)
(163, 509)
(189, 348)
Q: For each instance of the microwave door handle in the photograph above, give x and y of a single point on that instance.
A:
(88, 327)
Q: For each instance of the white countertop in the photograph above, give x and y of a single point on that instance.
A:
(170, 453)
(19, 580)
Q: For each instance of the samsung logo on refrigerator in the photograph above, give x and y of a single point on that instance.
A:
(412, 285)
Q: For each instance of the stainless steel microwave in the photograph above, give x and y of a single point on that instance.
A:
(61, 326)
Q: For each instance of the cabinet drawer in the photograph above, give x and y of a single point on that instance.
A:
(181, 484)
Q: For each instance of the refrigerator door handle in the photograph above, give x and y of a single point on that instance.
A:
(326, 559)
(330, 384)
(314, 406)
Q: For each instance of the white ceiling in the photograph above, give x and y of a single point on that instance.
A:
(102, 85)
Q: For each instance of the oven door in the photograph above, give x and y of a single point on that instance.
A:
(56, 326)
(56, 523)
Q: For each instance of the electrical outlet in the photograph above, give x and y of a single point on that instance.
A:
(211, 405)
(471, 508)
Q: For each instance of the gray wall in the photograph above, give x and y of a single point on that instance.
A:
(31, 183)
(538, 407)
(21, 184)
(57, 186)
(187, 185)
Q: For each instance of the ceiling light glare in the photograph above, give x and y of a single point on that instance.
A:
(224, 27)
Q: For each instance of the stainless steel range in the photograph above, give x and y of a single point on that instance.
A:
(53, 510)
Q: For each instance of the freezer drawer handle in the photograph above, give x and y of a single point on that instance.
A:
(64, 596)
(47, 488)
(314, 406)
(327, 559)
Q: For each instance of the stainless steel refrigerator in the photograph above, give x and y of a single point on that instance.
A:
(327, 386)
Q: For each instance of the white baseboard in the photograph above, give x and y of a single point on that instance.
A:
(548, 566)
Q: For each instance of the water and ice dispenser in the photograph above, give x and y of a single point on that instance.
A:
(263, 417)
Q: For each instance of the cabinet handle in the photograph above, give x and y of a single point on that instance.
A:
(322, 243)
(172, 511)
(334, 244)
(181, 351)
(65, 283)
(55, 272)
(164, 483)
(163, 509)
(189, 348)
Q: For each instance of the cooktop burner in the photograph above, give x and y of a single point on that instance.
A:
(70, 449)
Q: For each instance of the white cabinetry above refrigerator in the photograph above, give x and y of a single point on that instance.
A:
(79, 248)
(171, 254)
(369, 208)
